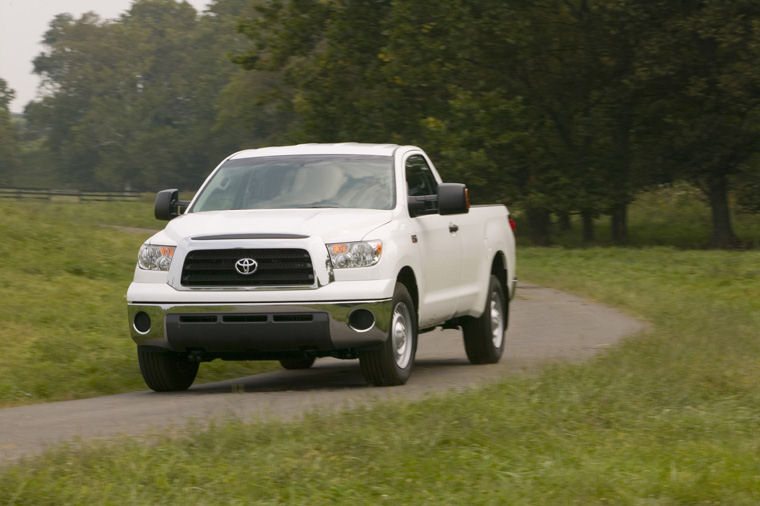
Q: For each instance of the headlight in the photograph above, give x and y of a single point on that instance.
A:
(155, 258)
(355, 254)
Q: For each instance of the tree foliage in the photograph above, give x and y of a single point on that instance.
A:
(558, 106)
(565, 106)
(703, 106)
(9, 160)
(132, 102)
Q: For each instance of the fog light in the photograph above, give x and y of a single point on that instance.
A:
(142, 322)
(361, 320)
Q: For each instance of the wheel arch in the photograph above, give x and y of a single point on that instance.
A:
(499, 269)
(407, 278)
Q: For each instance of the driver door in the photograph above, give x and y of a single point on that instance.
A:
(440, 248)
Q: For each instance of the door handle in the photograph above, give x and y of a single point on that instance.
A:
(453, 227)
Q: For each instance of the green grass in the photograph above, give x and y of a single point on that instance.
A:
(64, 272)
(670, 417)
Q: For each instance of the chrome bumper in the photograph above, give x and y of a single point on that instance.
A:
(230, 328)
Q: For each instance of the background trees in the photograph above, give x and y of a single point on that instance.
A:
(702, 106)
(560, 107)
(8, 142)
(132, 103)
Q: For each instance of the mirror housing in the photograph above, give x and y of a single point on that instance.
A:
(453, 198)
(168, 205)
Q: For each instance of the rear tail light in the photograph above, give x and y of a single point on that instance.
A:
(512, 224)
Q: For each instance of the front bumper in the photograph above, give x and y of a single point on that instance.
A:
(260, 329)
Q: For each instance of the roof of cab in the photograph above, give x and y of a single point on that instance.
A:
(344, 148)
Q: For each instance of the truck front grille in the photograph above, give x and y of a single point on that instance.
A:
(273, 267)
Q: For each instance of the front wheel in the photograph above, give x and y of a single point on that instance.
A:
(166, 371)
(484, 336)
(393, 363)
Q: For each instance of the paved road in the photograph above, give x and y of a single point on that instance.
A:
(546, 325)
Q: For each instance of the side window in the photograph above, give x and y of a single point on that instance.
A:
(419, 177)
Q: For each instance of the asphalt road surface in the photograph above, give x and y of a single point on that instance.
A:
(545, 326)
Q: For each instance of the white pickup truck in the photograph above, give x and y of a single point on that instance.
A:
(299, 252)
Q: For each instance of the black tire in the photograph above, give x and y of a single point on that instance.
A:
(297, 362)
(166, 371)
(483, 343)
(393, 363)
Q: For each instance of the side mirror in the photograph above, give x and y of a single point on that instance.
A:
(453, 198)
(168, 205)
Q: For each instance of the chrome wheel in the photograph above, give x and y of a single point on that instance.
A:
(392, 363)
(497, 319)
(401, 329)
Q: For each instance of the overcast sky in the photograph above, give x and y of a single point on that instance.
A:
(22, 25)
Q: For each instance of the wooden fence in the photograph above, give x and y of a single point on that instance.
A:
(49, 194)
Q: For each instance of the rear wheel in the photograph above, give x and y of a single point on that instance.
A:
(297, 363)
(484, 336)
(393, 363)
(166, 371)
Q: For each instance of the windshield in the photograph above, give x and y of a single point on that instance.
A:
(300, 181)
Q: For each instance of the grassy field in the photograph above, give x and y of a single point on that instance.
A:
(64, 271)
(671, 417)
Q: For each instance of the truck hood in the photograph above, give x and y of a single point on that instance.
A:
(332, 225)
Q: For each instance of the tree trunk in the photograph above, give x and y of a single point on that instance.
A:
(588, 225)
(621, 175)
(722, 231)
(564, 221)
(538, 226)
(619, 224)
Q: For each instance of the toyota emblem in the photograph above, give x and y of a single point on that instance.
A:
(246, 266)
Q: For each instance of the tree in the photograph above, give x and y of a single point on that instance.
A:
(327, 55)
(133, 102)
(73, 74)
(700, 62)
(9, 149)
(389, 71)
(558, 106)
(254, 108)
(522, 89)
